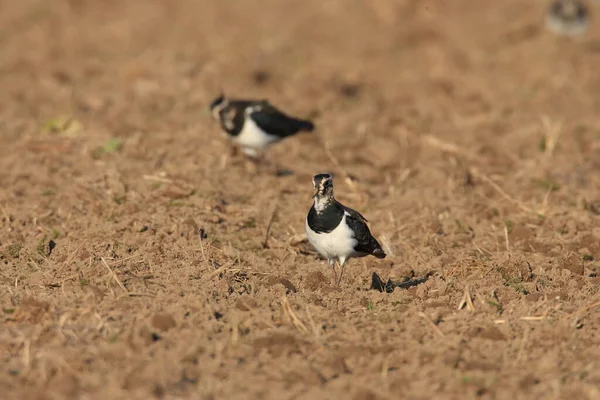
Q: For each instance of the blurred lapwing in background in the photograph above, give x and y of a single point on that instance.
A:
(567, 17)
(336, 231)
(254, 125)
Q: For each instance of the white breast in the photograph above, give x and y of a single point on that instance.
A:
(338, 243)
(252, 137)
(557, 25)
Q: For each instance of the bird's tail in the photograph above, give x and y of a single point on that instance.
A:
(305, 125)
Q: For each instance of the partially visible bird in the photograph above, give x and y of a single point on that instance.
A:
(336, 231)
(567, 17)
(255, 124)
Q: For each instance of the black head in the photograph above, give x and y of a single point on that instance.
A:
(323, 185)
(217, 105)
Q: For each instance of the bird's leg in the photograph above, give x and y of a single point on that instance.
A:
(331, 263)
(255, 159)
(229, 156)
(251, 160)
(265, 163)
(235, 156)
(341, 262)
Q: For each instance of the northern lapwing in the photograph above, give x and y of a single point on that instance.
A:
(567, 17)
(255, 124)
(336, 231)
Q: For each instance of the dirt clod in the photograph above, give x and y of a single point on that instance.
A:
(317, 280)
(163, 322)
(574, 263)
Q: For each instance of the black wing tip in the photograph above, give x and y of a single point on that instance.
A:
(307, 126)
(379, 253)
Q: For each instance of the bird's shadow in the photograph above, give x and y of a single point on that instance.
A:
(283, 172)
(389, 286)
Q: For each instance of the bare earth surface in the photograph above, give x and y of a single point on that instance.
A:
(466, 133)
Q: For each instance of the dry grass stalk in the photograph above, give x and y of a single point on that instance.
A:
(291, 314)
(475, 172)
(234, 338)
(315, 328)
(120, 260)
(387, 245)
(478, 249)
(534, 318)
(587, 308)
(70, 257)
(448, 147)
(467, 300)
(543, 316)
(435, 328)
(223, 270)
(482, 250)
(544, 205)
(454, 149)
(269, 225)
(385, 367)
(552, 133)
(6, 217)
(522, 346)
(27, 354)
(114, 275)
(581, 312)
(506, 241)
(62, 281)
(204, 258)
(131, 294)
(539, 317)
(162, 179)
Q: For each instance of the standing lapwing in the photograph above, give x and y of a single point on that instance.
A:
(567, 17)
(255, 124)
(336, 231)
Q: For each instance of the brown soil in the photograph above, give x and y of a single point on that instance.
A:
(471, 134)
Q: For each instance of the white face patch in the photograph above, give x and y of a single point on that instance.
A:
(228, 124)
(323, 192)
(227, 119)
(321, 203)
